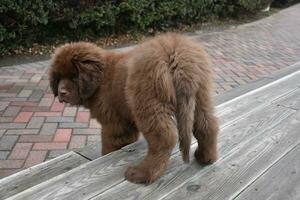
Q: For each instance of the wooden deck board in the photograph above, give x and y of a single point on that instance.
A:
(37, 174)
(294, 103)
(230, 176)
(91, 151)
(258, 98)
(87, 179)
(281, 181)
(231, 139)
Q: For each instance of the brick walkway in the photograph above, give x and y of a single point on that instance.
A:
(34, 127)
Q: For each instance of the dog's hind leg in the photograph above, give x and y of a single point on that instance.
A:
(205, 129)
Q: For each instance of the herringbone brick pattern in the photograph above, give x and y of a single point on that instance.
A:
(254, 50)
(35, 127)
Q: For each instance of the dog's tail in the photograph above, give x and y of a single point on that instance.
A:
(179, 92)
(178, 89)
(185, 101)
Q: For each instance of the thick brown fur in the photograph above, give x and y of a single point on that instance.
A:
(162, 88)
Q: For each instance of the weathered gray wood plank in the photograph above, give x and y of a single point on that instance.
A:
(32, 176)
(231, 139)
(258, 97)
(87, 179)
(95, 177)
(231, 175)
(293, 104)
(91, 151)
(281, 181)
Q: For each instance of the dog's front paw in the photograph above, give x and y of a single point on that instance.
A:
(137, 175)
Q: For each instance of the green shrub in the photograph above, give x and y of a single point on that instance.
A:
(284, 3)
(234, 8)
(23, 22)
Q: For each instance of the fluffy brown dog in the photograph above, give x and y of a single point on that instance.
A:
(161, 88)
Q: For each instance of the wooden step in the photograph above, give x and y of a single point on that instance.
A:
(25, 179)
(250, 127)
(251, 158)
(277, 180)
(239, 139)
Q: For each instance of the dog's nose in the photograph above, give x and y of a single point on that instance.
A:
(63, 92)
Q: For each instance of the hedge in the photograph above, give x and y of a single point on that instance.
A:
(23, 22)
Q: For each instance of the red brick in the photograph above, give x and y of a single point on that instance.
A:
(83, 117)
(11, 164)
(35, 109)
(56, 106)
(49, 146)
(23, 117)
(62, 135)
(47, 114)
(35, 157)
(8, 94)
(6, 86)
(20, 151)
(35, 138)
(23, 103)
(77, 141)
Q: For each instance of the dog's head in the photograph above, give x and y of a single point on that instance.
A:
(76, 71)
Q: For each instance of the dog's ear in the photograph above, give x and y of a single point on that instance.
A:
(54, 80)
(90, 72)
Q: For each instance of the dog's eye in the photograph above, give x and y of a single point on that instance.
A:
(88, 61)
(56, 78)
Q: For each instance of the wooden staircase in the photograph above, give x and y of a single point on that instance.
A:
(259, 148)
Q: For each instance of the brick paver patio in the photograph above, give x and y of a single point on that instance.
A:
(35, 127)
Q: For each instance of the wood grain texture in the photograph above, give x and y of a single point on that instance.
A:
(230, 176)
(231, 140)
(293, 103)
(37, 174)
(258, 98)
(281, 181)
(88, 179)
(91, 151)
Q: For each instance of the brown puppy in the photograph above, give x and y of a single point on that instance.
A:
(161, 88)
